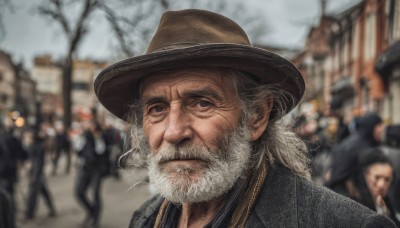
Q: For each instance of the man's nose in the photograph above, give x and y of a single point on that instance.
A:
(178, 128)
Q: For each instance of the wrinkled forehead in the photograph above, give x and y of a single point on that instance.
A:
(220, 79)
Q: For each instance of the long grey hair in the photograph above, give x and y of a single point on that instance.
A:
(278, 145)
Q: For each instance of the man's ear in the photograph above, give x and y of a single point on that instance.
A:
(259, 120)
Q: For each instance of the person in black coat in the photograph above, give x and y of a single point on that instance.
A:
(62, 145)
(93, 166)
(344, 155)
(11, 155)
(37, 178)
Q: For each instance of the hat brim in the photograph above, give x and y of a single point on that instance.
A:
(115, 85)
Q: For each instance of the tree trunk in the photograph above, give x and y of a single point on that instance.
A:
(67, 87)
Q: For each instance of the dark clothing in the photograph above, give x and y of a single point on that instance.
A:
(114, 139)
(392, 136)
(392, 212)
(287, 200)
(342, 132)
(11, 152)
(63, 145)
(86, 180)
(344, 155)
(37, 187)
(93, 166)
(94, 161)
(37, 182)
(7, 216)
(392, 151)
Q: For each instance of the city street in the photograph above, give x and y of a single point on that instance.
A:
(118, 201)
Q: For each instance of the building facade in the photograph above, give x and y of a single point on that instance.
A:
(48, 74)
(26, 95)
(388, 64)
(341, 53)
(84, 73)
(7, 83)
(17, 91)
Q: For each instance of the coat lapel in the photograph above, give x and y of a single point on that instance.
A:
(277, 203)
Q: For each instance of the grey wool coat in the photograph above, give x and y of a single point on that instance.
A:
(287, 200)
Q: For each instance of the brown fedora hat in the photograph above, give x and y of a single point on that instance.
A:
(195, 38)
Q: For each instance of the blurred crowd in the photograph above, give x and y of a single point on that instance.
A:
(358, 158)
(89, 147)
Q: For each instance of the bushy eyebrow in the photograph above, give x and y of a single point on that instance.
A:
(206, 92)
(193, 93)
(148, 100)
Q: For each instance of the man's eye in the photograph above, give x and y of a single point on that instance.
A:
(204, 104)
(156, 109)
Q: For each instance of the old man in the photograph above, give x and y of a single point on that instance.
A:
(206, 109)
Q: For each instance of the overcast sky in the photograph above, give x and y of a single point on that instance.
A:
(27, 34)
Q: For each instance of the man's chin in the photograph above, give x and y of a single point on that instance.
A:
(182, 185)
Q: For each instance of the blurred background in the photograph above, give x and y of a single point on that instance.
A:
(52, 50)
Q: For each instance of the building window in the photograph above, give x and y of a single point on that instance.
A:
(345, 54)
(356, 38)
(336, 57)
(370, 36)
(396, 21)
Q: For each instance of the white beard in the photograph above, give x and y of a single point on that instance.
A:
(224, 166)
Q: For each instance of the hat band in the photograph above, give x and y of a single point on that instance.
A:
(173, 46)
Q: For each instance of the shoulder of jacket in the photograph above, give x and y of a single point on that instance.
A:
(334, 208)
(146, 212)
(378, 221)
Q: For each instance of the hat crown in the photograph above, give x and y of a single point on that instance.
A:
(194, 27)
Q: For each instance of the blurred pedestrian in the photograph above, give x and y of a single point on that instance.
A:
(368, 133)
(371, 180)
(62, 146)
(113, 137)
(12, 155)
(93, 166)
(343, 130)
(37, 178)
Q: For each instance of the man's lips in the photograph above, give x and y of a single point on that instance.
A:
(185, 160)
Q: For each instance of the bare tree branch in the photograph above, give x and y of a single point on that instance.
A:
(54, 10)
(120, 33)
(131, 30)
(80, 28)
